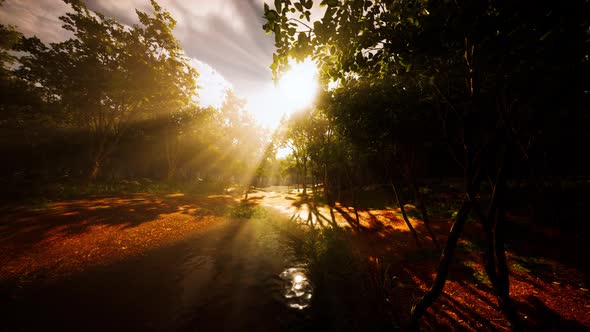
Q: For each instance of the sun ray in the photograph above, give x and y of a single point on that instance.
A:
(296, 89)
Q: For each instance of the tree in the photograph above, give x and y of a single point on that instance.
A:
(471, 60)
(241, 139)
(109, 75)
(172, 82)
(24, 117)
(297, 137)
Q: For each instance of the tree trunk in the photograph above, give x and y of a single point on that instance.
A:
(400, 202)
(97, 155)
(95, 169)
(171, 171)
(423, 211)
(171, 154)
(304, 176)
(443, 266)
(326, 188)
(354, 206)
(502, 284)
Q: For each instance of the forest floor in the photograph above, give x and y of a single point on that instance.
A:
(159, 259)
(550, 276)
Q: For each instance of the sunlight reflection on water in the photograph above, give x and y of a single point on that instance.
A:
(297, 288)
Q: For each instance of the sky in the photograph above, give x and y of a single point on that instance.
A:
(224, 38)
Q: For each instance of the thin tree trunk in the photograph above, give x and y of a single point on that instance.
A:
(326, 189)
(405, 216)
(409, 163)
(354, 206)
(304, 176)
(503, 281)
(486, 222)
(502, 284)
(171, 145)
(443, 266)
(97, 155)
(332, 216)
(95, 169)
(423, 211)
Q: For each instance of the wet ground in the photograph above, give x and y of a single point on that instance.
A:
(239, 274)
(174, 262)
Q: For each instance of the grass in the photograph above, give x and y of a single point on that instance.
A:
(536, 265)
(39, 205)
(247, 211)
(353, 290)
(478, 274)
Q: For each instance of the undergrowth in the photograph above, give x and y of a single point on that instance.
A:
(353, 290)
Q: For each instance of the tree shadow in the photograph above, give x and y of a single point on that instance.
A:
(384, 234)
(349, 219)
(538, 246)
(540, 317)
(23, 228)
(197, 283)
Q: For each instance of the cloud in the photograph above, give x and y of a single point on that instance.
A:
(212, 85)
(36, 18)
(227, 35)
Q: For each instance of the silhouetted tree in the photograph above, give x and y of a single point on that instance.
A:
(489, 70)
(108, 75)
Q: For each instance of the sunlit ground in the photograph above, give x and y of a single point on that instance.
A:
(65, 237)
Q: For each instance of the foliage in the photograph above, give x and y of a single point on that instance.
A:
(363, 285)
(487, 74)
(109, 75)
(246, 210)
(116, 102)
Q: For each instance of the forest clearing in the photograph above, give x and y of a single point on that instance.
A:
(298, 165)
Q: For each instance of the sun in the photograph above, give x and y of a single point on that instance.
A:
(299, 85)
(296, 89)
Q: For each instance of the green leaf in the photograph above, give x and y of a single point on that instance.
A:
(317, 26)
(271, 15)
(299, 6)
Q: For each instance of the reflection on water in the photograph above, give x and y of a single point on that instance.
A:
(297, 288)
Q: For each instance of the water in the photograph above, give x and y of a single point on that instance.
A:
(243, 277)
(297, 289)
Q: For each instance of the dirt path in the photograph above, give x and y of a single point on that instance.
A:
(174, 262)
(224, 276)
